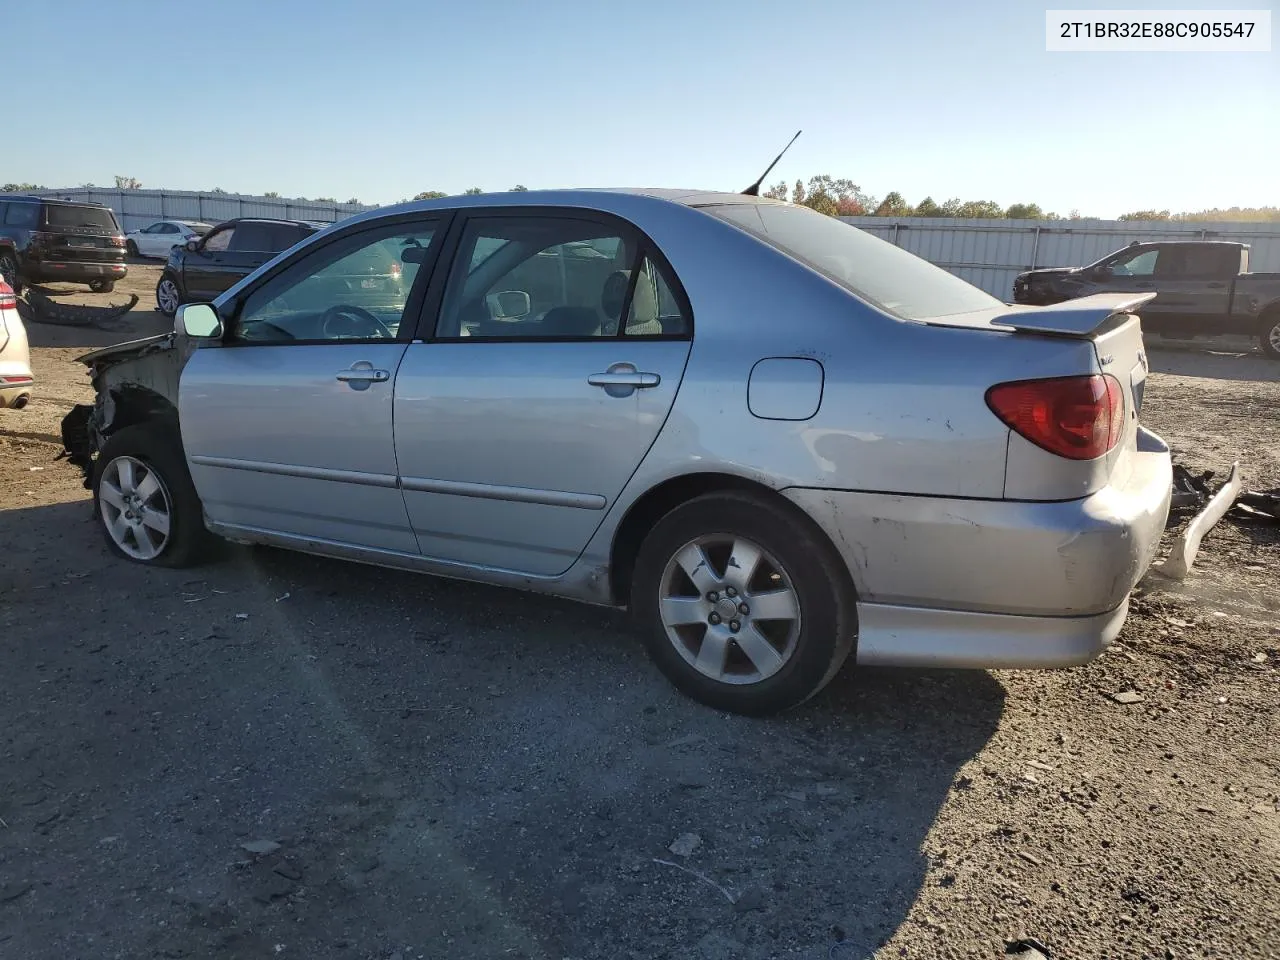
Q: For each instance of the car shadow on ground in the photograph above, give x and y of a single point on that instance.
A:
(526, 741)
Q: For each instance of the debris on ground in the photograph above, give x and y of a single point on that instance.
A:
(1254, 507)
(41, 308)
(685, 844)
(1185, 548)
(260, 848)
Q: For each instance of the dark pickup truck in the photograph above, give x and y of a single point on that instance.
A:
(1203, 289)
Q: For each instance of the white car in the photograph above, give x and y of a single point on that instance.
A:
(15, 358)
(157, 239)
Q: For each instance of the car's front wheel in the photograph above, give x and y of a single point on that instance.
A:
(131, 248)
(168, 296)
(1269, 335)
(145, 501)
(744, 606)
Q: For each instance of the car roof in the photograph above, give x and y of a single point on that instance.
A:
(31, 198)
(292, 223)
(604, 199)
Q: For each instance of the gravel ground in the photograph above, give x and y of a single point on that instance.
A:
(280, 756)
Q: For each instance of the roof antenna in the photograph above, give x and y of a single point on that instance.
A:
(754, 189)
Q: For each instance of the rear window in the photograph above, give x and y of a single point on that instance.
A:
(898, 282)
(70, 215)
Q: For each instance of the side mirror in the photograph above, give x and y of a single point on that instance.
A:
(509, 305)
(1103, 273)
(193, 244)
(199, 321)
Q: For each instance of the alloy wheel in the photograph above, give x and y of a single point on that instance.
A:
(136, 507)
(167, 296)
(729, 609)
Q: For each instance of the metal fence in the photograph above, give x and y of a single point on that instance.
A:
(990, 253)
(137, 208)
(987, 253)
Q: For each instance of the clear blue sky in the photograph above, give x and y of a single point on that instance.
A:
(383, 98)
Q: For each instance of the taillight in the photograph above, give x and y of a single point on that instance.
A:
(395, 270)
(8, 300)
(1080, 418)
(40, 238)
(115, 241)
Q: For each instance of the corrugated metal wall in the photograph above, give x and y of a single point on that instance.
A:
(987, 253)
(137, 208)
(990, 253)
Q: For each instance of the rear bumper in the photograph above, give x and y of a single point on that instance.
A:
(74, 271)
(924, 566)
(918, 637)
(15, 393)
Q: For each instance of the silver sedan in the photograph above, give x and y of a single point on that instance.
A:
(779, 441)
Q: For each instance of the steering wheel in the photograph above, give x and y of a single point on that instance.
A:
(354, 317)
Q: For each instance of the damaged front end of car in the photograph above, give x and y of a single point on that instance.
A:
(133, 382)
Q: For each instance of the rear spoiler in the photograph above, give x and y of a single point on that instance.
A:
(1073, 318)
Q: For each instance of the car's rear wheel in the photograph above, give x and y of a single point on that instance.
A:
(1269, 336)
(744, 606)
(168, 297)
(102, 286)
(9, 271)
(145, 501)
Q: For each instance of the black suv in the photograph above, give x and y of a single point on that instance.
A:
(205, 267)
(43, 240)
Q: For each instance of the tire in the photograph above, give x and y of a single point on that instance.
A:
(131, 249)
(102, 286)
(168, 295)
(149, 449)
(1269, 335)
(9, 271)
(807, 650)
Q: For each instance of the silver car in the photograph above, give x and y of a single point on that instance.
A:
(776, 439)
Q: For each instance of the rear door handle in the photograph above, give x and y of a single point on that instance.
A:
(1144, 286)
(624, 379)
(1217, 285)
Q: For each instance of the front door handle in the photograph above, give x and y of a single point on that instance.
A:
(624, 379)
(1144, 286)
(360, 375)
(1216, 285)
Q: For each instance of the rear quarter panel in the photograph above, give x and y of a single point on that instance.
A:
(903, 406)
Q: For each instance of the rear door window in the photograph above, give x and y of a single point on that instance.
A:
(285, 235)
(1206, 262)
(252, 237)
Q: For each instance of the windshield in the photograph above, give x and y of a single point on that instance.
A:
(874, 270)
(60, 215)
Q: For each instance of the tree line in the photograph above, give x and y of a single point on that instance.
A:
(844, 198)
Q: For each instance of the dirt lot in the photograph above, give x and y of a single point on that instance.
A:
(455, 771)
